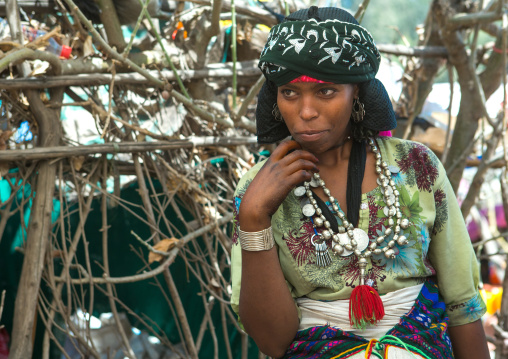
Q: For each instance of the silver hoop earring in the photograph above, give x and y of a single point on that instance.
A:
(276, 113)
(358, 110)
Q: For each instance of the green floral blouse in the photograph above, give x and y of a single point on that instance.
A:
(439, 244)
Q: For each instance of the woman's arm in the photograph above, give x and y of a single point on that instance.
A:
(468, 341)
(266, 308)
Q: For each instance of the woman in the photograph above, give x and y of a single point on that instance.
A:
(347, 244)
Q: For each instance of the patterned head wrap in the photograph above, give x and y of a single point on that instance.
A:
(330, 50)
(329, 45)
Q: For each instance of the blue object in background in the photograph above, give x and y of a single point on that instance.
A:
(23, 133)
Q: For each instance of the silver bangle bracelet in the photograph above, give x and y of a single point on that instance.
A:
(256, 241)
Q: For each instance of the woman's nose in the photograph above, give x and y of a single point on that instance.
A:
(308, 109)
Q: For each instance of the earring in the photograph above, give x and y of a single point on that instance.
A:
(358, 110)
(276, 113)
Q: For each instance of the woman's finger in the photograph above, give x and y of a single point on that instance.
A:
(299, 165)
(297, 155)
(283, 149)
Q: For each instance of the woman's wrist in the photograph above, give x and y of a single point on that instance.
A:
(253, 223)
(256, 241)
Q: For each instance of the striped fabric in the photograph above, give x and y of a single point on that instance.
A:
(422, 331)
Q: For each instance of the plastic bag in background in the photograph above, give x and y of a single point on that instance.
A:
(31, 34)
(5, 32)
(53, 47)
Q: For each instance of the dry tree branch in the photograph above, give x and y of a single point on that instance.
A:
(253, 92)
(105, 46)
(24, 53)
(170, 258)
(212, 71)
(161, 44)
(477, 181)
(105, 258)
(361, 10)
(120, 147)
(467, 20)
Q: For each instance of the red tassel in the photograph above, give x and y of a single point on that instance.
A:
(365, 307)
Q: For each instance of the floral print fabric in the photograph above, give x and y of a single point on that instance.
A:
(439, 245)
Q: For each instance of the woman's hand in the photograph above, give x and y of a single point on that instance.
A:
(279, 175)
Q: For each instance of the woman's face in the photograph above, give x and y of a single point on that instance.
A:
(316, 114)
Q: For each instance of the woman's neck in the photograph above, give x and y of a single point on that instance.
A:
(336, 156)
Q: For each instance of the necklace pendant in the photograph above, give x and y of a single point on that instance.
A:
(299, 191)
(315, 182)
(308, 210)
(360, 238)
(323, 258)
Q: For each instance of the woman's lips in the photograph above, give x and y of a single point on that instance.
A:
(310, 135)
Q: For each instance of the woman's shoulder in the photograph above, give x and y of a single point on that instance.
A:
(399, 142)
(417, 163)
(400, 148)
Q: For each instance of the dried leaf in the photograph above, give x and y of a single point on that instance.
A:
(4, 137)
(214, 283)
(88, 49)
(57, 254)
(4, 169)
(163, 246)
(78, 162)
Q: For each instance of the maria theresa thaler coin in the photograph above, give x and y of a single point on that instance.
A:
(299, 191)
(308, 210)
(314, 182)
(304, 201)
(361, 238)
(393, 169)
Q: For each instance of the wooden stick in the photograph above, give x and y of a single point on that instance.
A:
(122, 147)
(416, 51)
(167, 262)
(244, 69)
(468, 20)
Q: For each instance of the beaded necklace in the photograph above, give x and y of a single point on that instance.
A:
(350, 240)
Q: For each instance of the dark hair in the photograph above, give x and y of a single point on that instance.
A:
(359, 132)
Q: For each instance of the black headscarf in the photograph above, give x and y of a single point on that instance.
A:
(327, 44)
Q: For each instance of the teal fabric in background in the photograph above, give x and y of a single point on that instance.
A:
(144, 298)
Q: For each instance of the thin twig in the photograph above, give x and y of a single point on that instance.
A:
(161, 44)
(449, 127)
(105, 46)
(105, 258)
(361, 10)
(254, 90)
(136, 28)
(149, 274)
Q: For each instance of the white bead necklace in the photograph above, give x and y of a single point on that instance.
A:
(351, 240)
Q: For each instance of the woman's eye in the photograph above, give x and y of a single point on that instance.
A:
(287, 92)
(327, 91)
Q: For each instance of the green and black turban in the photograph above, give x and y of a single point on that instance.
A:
(331, 50)
(327, 44)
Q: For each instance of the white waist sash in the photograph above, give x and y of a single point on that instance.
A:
(336, 313)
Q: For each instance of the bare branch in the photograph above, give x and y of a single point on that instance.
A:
(160, 269)
(122, 147)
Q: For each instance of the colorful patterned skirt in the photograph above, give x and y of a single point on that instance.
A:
(422, 331)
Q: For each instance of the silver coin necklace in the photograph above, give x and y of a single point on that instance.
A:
(350, 240)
